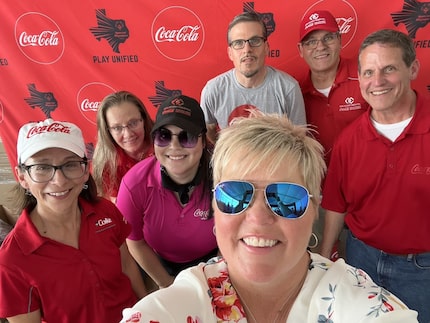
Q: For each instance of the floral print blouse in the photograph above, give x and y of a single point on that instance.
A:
(333, 292)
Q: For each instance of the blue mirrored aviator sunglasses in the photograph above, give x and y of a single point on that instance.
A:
(287, 200)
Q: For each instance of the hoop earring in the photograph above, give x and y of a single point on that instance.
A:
(85, 186)
(315, 243)
(28, 193)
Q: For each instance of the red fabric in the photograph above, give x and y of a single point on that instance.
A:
(67, 284)
(382, 186)
(61, 59)
(330, 115)
(124, 163)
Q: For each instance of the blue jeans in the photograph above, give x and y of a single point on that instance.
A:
(407, 277)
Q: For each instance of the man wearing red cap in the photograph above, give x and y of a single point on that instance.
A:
(330, 89)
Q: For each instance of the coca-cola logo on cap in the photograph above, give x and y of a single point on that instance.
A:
(53, 127)
(39, 38)
(89, 98)
(345, 15)
(177, 33)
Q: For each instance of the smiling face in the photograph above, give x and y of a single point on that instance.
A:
(59, 194)
(181, 163)
(258, 245)
(248, 61)
(132, 141)
(385, 80)
(324, 57)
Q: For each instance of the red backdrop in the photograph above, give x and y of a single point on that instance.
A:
(60, 58)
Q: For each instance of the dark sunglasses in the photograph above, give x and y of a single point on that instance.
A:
(162, 138)
(287, 200)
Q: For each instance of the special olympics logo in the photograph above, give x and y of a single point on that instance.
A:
(315, 16)
(39, 38)
(349, 100)
(414, 15)
(177, 33)
(345, 15)
(89, 98)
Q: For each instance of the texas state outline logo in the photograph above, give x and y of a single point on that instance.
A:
(115, 31)
(162, 93)
(45, 101)
(414, 15)
(266, 17)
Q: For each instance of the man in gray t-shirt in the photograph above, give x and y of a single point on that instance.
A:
(251, 84)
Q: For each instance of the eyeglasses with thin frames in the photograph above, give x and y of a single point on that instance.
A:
(327, 40)
(256, 41)
(42, 173)
(131, 125)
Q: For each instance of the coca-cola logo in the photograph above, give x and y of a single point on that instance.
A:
(53, 127)
(88, 105)
(89, 98)
(178, 39)
(103, 222)
(39, 38)
(185, 33)
(45, 38)
(202, 214)
(344, 13)
(420, 170)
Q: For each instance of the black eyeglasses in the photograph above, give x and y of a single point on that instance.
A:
(326, 40)
(287, 200)
(131, 125)
(253, 42)
(163, 137)
(41, 173)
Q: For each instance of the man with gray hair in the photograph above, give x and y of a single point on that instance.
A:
(378, 178)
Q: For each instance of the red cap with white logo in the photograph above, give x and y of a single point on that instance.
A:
(317, 20)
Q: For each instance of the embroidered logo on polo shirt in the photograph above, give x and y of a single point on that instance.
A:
(104, 224)
(420, 170)
(349, 105)
(202, 214)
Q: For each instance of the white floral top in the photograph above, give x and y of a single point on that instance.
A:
(333, 292)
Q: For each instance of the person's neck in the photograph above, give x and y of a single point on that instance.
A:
(402, 110)
(182, 178)
(182, 189)
(137, 155)
(272, 303)
(60, 226)
(253, 81)
(323, 79)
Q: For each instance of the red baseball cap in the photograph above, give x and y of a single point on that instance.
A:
(317, 20)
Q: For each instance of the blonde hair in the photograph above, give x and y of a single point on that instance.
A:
(105, 153)
(270, 141)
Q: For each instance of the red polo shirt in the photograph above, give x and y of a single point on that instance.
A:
(67, 284)
(330, 115)
(384, 186)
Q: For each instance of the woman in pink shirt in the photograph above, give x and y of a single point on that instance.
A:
(167, 198)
